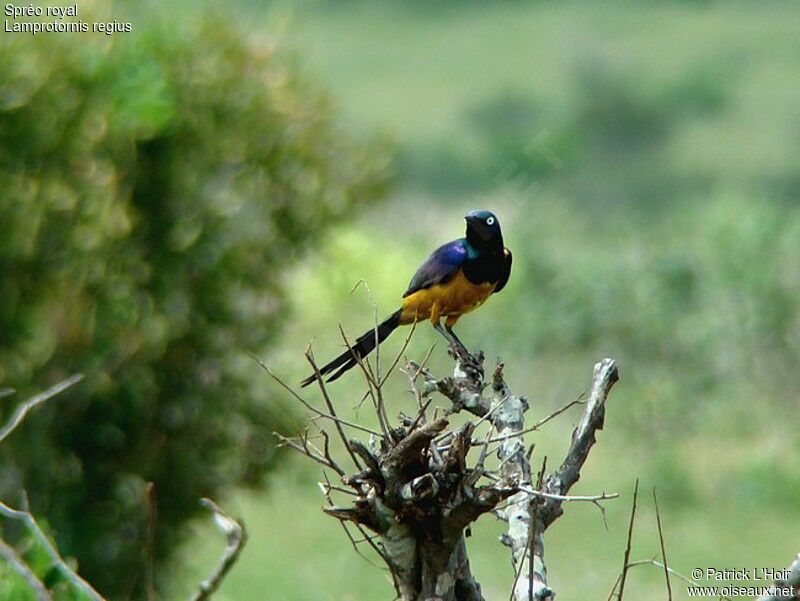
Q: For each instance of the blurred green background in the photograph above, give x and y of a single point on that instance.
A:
(644, 160)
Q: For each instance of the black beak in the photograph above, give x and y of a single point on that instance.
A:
(477, 225)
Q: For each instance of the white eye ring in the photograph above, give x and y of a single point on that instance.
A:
(490, 221)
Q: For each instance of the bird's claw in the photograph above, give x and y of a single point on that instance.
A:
(471, 365)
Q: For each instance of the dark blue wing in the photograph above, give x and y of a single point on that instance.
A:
(437, 268)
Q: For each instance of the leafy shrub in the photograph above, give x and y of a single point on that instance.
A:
(155, 186)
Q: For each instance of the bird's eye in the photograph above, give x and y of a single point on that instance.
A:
(490, 221)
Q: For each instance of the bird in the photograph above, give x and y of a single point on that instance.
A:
(458, 277)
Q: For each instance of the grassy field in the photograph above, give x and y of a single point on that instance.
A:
(643, 160)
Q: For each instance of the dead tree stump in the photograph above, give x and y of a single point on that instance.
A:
(416, 486)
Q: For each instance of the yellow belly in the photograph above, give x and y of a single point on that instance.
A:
(450, 299)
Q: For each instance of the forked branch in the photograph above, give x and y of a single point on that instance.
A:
(236, 536)
(418, 491)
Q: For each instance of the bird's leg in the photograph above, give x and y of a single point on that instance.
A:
(470, 364)
(456, 346)
(454, 338)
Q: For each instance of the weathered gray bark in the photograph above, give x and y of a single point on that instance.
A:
(418, 494)
(419, 500)
(528, 515)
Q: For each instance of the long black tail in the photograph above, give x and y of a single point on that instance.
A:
(363, 346)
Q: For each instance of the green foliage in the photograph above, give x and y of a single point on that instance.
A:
(156, 186)
(36, 558)
(12, 585)
(663, 233)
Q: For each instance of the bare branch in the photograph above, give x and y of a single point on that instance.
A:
(605, 375)
(518, 514)
(542, 421)
(8, 552)
(331, 409)
(326, 488)
(400, 354)
(663, 549)
(418, 493)
(303, 447)
(308, 405)
(530, 550)
(408, 450)
(33, 402)
(373, 385)
(465, 388)
(326, 451)
(605, 496)
(628, 544)
(673, 572)
(236, 536)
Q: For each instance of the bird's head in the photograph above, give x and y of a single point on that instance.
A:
(483, 229)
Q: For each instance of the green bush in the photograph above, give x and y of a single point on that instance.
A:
(155, 186)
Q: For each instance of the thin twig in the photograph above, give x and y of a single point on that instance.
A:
(35, 400)
(421, 367)
(628, 544)
(663, 550)
(401, 353)
(329, 404)
(658, 564)
(586, 498)
(518, 572)
(372, 385)
(541, 422)
(546, 495)
(528, 551)
(327, 487)
(604, 375)
(326, 450)
(237, 537)
(309, 406)
(302, 448)
(377, 374)
(375, 324)
(480, 420)
(420, 414)
(412, 381)
(418, 369)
